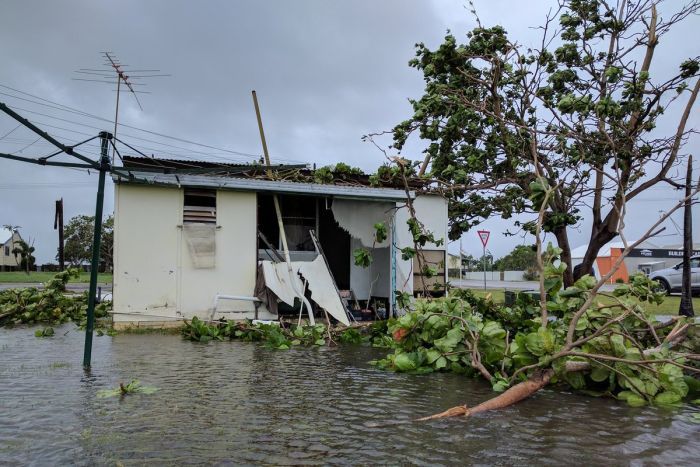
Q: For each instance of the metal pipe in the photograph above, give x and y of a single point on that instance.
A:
(96, 240)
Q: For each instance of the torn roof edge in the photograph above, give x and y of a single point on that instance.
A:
(272, 186)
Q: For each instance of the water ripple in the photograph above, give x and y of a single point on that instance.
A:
(236, 403)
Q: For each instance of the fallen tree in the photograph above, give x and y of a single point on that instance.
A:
(603, 343)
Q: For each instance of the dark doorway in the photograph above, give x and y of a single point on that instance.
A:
(301, 214)
(335, 243)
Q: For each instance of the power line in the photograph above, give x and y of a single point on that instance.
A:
(66, 108)
(10, 132)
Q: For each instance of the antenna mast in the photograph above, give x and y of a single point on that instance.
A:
(106, 75)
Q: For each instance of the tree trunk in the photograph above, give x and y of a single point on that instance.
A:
(512, 396)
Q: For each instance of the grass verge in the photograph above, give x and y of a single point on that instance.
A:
(15, 277)
(668, 307)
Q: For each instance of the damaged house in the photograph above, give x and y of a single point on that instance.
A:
(208, 243)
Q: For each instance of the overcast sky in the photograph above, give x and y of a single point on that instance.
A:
(326, 73)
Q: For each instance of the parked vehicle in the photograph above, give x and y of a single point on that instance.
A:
(671, 279)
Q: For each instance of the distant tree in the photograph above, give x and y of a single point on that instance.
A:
(78, 235)
(522, 257)
(26, 253)
(488, 259)
(470, 263)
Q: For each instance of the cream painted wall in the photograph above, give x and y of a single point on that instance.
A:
(154, 276)
(146, 240)
(236, 251)
(10, 260)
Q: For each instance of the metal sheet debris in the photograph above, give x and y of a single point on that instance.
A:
(323, 291)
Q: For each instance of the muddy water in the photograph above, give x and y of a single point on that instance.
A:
(239, 403)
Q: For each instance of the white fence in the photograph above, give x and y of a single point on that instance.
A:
(495, 275)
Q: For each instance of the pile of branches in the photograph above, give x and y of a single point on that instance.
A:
(283, 337)
(51, 305)
(609, 346)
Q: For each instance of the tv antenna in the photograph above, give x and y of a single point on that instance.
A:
(113, 67)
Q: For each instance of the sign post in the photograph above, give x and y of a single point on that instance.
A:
(484, 236)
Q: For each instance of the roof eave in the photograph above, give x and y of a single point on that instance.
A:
(269, 186)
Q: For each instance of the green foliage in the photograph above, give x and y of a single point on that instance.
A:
(363, 257)
(380, 232)
(50, 305)
(330, 173)
(274, 336)
(420, 235)
(351, 336)
(45, 332)
(521, 258)
(443, 334)
(25, 252)
(134, 387)
(525, 121)
(78, 234)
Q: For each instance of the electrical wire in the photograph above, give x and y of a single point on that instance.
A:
(65, 108)
(227, 160)
(10, 132)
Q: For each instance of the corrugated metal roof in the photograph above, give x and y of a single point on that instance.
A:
(270, 186)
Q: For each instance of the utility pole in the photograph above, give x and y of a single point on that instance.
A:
(58, 225)
(686, 306)
(461, 260)
(280, 223)
(105, 166)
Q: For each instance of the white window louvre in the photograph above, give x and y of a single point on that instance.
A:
(200, 207)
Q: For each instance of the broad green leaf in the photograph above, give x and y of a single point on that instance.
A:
(667, 398)
(599, 374)
(575, 379)
(405, 362)
(449, 342)
(635, 400)
(431, 355)
(440, 363)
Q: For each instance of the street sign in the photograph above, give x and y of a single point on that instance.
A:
(484, 236)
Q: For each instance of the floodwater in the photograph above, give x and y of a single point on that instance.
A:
(236, 403)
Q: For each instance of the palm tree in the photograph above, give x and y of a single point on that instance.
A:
(24, 251)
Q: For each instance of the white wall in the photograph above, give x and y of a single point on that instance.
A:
(495, 275)
(431, 210)
(360, 277)
(145, 251)
(154, 276)
(236, 252)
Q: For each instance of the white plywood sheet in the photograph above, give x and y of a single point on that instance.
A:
(323, 290)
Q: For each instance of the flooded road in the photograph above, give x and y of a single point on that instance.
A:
(240, 403)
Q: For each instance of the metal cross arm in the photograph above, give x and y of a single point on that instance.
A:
(70, 150)
(43, 161)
